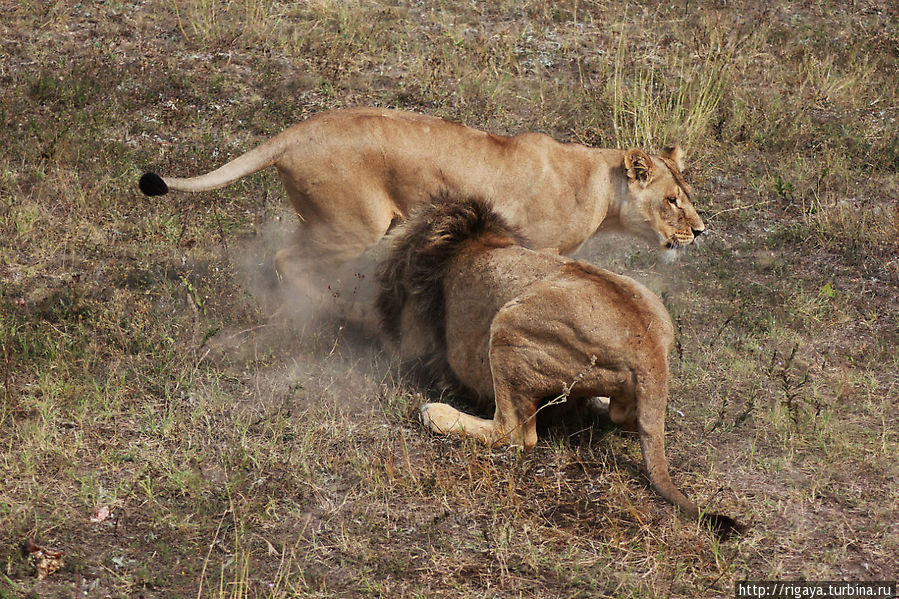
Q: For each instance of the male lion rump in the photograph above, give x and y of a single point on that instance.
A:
(515, 326)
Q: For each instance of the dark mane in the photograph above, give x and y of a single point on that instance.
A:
(412, 274)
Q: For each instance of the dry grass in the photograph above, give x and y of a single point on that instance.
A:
(245, 454)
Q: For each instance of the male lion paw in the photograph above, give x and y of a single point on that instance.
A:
(444, 419)
(439, 417)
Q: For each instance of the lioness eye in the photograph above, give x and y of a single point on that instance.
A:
(672, 199)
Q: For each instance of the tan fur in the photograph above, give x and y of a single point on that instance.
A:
(351, 174)
(519, 327)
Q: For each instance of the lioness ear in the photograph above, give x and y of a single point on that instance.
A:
(676, 155)
(639, 166)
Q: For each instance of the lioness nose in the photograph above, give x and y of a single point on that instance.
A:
(697, 232)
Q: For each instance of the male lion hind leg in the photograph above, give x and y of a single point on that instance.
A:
(514, 421)
(447, 420)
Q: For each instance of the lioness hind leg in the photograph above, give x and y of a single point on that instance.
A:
(299, 262)
(317, 250)
(287, 263)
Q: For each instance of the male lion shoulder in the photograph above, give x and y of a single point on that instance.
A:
(352, 174)
(516, 326)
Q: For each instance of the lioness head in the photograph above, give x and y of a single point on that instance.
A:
(659, 203)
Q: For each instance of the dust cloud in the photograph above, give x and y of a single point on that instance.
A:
(315, 344)
(656, 268)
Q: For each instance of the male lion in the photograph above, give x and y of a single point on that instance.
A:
(515, 327)
(351, 174)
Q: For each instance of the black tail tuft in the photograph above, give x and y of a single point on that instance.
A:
(723, 526)
(152, 185)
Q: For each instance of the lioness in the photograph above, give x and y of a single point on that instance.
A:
(351, 174)
(515, 327)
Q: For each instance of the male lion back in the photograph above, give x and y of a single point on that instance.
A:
(413, 271)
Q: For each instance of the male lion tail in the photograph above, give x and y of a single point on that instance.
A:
(650, 423)
(413, 271)
(254, 160)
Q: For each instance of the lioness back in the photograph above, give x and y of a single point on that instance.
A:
(408, 158)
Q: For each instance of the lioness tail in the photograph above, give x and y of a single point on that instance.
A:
(254, 160)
